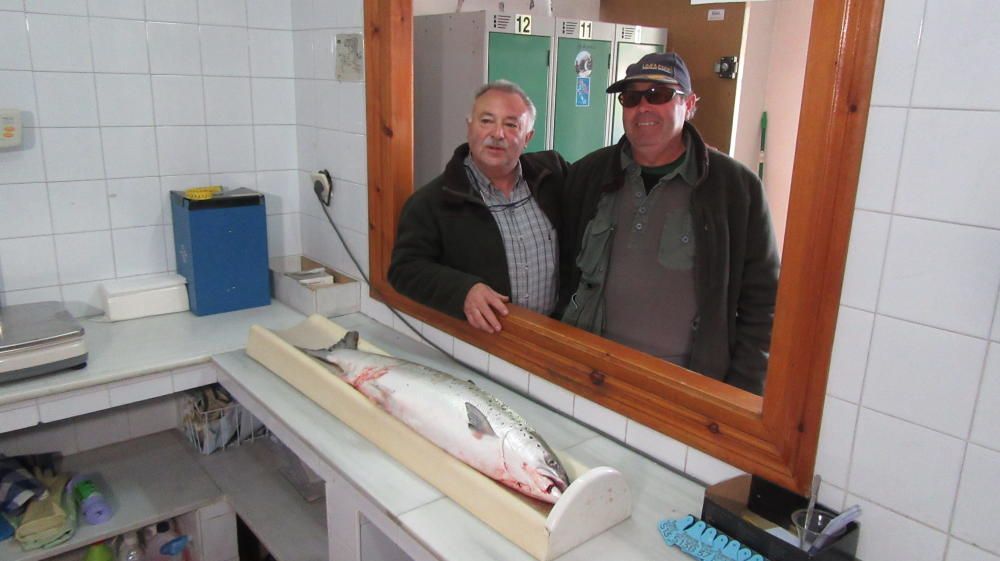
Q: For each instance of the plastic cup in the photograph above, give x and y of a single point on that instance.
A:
(808, 533)
(99, 552)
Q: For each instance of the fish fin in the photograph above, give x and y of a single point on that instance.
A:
(478, 421)
(350, 341)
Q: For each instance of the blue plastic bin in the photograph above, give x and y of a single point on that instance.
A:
(221, 247)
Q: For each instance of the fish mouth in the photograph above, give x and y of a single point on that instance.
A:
(551, 483)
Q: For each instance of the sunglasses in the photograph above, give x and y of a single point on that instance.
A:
(654, 96)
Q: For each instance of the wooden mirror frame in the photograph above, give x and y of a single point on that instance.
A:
(774, 436)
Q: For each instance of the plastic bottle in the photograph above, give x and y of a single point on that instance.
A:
(129, 549)
(163, 543)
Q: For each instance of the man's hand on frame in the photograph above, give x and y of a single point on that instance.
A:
(483, 305)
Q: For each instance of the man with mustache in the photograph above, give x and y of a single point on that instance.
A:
(483, 233)
(672, 242)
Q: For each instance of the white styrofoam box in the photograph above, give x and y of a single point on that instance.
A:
(341, 297)
(71, 404)
(119, 45)
(124, 100)
(195, 376)
(147, 296)
(20, 415)
(140, 389)
(905, 354)
(660, 446)
(79, 206)
(898, 42)
(922, 465)
(225, 51)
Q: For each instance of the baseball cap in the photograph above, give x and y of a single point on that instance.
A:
(662, 68)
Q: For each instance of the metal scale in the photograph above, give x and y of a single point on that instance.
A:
(39, 338)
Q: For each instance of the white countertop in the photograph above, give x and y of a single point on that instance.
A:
(126, 349)
(439, 524)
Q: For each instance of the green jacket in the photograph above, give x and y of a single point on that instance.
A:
(736, 258)
(448, 240)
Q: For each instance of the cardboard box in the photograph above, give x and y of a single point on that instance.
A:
(342, 296)
(745, 507)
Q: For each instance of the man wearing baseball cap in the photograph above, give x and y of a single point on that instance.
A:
(667, 243)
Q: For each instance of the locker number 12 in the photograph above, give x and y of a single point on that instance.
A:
(523, 23)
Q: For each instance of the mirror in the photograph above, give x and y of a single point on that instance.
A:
(774, 436)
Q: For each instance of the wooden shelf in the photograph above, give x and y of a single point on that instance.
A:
(289, 527)
(149, 479)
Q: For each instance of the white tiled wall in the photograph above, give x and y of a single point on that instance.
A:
(122, 102)
(910, 424)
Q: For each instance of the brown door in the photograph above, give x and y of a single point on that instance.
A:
(701, 43)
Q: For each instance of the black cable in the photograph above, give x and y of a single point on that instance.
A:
(395, 312)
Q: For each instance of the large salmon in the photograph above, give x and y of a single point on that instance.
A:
(454, 414)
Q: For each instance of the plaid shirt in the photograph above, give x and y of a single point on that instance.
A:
(529, 240)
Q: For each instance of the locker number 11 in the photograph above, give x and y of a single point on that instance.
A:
(586, 29)
(523, 23)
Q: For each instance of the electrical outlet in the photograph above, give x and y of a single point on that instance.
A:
(323, 186)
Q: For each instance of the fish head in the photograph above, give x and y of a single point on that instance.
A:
(530, 462)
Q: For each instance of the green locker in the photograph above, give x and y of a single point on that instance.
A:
(582, 71)
(524, 60)
(456, 53)
(632, 42)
